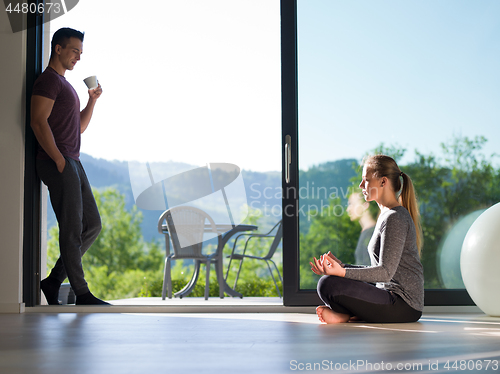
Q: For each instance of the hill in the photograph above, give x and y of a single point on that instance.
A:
(263, 189)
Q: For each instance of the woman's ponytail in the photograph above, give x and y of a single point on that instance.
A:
(408, 199)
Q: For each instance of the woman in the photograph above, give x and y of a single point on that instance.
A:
(391, 289)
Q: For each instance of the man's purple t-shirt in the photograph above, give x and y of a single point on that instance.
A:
(64, 120)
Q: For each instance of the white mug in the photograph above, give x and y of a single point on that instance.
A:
(91, 82)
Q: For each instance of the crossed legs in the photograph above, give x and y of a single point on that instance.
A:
(346, 300)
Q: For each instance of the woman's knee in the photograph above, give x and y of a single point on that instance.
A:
(321, 284)
(329, 285)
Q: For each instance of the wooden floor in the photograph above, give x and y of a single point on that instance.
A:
(123, 343)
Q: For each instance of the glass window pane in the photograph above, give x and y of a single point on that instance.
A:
(187, 85)
(417, 80)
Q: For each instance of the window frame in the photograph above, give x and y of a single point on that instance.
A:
(293, 295)
(32, 183)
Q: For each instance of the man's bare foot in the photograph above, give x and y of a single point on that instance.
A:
(328, 316)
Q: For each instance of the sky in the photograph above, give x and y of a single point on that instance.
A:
(191, 81)
(198, 81)
(406, 73)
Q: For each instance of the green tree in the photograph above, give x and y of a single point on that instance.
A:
(395, 151)
(119, 261)
(119, 245)
(331, 230)
(448, 188)
(461, 182)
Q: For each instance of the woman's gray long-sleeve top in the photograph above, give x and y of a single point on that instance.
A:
(395, 262)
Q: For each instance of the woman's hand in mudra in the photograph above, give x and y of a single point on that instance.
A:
(326, 265)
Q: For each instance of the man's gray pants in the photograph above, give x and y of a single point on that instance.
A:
(77, 215)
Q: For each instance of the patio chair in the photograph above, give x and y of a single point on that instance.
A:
(186, 226)
(277, 233)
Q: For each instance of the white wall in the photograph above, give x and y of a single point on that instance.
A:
(12, 122)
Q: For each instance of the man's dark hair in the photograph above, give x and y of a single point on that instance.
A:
(62, 36)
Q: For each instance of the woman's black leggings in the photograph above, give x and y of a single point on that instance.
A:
(365, 301)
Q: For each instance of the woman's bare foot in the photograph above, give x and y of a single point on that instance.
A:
(328, 316)
(319, 312)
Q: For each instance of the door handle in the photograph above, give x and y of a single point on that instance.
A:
(288, 157)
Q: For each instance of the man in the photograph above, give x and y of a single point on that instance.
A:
(58, 123)
(366, 213)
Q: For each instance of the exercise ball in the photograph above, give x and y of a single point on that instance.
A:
(480, 260)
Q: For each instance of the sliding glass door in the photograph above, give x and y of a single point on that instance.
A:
(192, 86)
(416, 80)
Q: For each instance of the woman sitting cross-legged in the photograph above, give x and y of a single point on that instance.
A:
(391, 289)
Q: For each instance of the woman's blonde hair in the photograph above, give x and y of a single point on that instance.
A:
(385, 166)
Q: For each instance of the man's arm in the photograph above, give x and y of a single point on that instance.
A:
(86, 113)
(41, 107)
